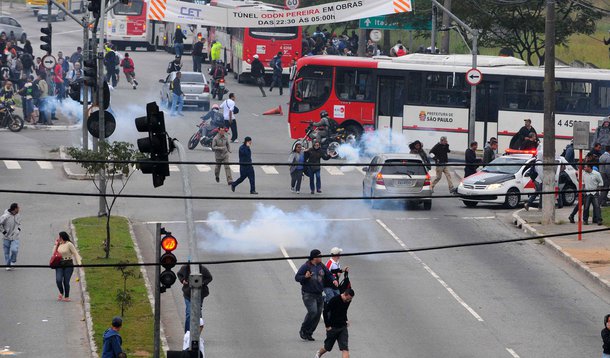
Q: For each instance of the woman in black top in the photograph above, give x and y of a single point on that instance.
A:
(606, 337)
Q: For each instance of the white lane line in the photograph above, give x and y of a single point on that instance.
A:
(231, 220)
(477, 217)
(203, 168)
(234, 168)
(512, 353)
(333, 170)
(173, 168)
(290, 262)
(268, 169)
(12, 164)
(430, 271)
(44, 165)
(67, 32)
(405, 219)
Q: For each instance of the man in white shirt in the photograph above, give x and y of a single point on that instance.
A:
(186, 343)
(229, 111)
(334, 267)
(591, 180)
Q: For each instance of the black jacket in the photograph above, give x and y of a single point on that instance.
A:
(314, 156)
(245, 156)
(258, 70)
(471, 158)
(440, 152)
(206, 278)
(197, 49)
(176, 87)
(179, 36)
(488, 155)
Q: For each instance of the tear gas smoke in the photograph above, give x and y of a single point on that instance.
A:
(373, 143)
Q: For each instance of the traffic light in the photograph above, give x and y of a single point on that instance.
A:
(95, 7)
(167, 260)
(155, 144)
(47, 39)
(90, 72)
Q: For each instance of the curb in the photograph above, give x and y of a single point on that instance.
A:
(68, 171)
(574, 262)
(43, 127)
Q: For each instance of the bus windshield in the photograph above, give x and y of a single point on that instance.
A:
(312, 88)
(133, 8)
(267, 33)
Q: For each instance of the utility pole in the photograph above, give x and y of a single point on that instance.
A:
(87, 54)
(446, 24)
(548, 179)
(100, 92)
(433, 33)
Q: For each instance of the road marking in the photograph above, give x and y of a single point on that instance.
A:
(233, 220)
(234, 168)
(173, 168)
(456, 217)
(430, 271)
(203, 168)
(290, 262)
(67, 32)
(512, 353)
(44, 165)
(334, 171)
(477, 217)
(268, 169)
(12, 164)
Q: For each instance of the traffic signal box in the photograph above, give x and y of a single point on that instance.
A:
(47, 39)
(156, 144)
(168, 261)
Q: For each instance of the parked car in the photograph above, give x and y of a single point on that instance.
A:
(8, 24)
(410, 178)
(56, 15)
(194, 85)
(509, 184)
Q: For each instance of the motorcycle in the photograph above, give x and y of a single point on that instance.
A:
(218, 88)
(329, 143)
(206, 131)
(9, 119)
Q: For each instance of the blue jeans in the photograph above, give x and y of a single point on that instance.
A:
(330, 293)
(187, 313)
(179, 47)
(62, 279)
(11, 248)
(604, 355)
(314, 303)
(315, 176)
(177, 101)
(197, 63)
(533, 197)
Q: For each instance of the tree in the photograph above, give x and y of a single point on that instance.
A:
(519, 24)
(102, 162)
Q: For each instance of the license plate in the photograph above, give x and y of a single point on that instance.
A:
(404, 182)
(221, 85)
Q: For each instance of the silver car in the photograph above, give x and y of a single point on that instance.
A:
(194, 85)
(411, 179)
(8, 24)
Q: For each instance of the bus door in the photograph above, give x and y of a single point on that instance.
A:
(391, 92)
(486, 121)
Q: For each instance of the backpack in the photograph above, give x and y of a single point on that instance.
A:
(332, 125)
(126, 63)
(36, 92)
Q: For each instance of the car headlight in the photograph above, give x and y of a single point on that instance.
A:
(461, 185)
(494, 186)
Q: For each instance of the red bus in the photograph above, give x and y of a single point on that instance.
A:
(426, 96)
(241, 44)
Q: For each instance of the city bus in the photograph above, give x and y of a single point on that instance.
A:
(424, 97)
(127, 25)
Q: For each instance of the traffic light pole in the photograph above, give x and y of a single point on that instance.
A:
(100, 93)
(157, 322)
(86, 55)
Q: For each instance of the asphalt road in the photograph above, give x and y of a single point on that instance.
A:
(512, 300)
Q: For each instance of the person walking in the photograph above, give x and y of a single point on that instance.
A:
(221, 148)
(591, 180)
(313, 277)
(535, 174)
(112, 341)
(606, 337)
(215, 51)
(129, 70)
(296, 160)
(604, 169)
(229, 112)
(58, 80)
(334, 267)
(245, 170)
(10, 226)
(63, 273)
(417, 148)
(440, 153)
(110, 62)
(183, 277)
(258, 73)
(177, 96)
(472, 162)
(276, 65)
(313, 156)
(335, 319)
(186, 342)
(179, 38)
(292, 74)
(174, 65)
(197, 54)
(489, 153)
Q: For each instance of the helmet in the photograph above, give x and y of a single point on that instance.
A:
(323, 113)
(216, 107)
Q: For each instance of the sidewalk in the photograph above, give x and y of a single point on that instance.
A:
(590, 255)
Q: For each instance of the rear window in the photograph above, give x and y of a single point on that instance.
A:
(409, 167)
(191, 77)
(278, 33)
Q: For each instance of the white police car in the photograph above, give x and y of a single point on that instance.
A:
(510, 183)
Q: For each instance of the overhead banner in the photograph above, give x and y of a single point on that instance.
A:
(183, 12)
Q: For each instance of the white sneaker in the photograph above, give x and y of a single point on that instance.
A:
(317, 355)
(8, 269)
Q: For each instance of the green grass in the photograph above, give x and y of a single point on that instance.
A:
(606, 215)
(103, 283)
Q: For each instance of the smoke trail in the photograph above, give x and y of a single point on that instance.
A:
(370, 144)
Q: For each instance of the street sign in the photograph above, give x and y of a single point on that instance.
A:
(375, 35)
(581, 135)
(49, 62)
(474, 77)
(292, 4)
(382, 23)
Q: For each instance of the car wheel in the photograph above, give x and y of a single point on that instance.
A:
(470, 204)
(569, 195)
(427, 204)
(512, 199)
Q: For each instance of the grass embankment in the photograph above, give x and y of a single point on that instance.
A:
(103, 284)
(606, 215)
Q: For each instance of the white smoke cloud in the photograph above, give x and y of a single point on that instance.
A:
(370, 144)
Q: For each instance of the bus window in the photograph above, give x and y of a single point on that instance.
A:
(414, 88)
(602, 97)
(523, 94)
(278, 33)
(313, 86)
(133, 8)
(354, 85)
(391, 96)
(573, 96)
(445, 89)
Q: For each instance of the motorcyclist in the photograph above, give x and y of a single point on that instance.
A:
(322, 126)
(215, 119)
(218, 72)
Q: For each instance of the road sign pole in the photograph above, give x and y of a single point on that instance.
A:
(157, 318)
(473, 91)
(579, 194)
(85, 97)
(100, 93)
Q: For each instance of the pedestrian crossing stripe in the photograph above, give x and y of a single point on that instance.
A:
(234, 168)
(12, 164)
(44, 165)
(269, 169)
(333, 170)
(173, 168)
(203, 168)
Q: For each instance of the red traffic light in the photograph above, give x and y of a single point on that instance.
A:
(169, 243)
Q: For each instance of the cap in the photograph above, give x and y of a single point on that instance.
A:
(314, 253)
(117, 321)
(336, 251)
(255, 56)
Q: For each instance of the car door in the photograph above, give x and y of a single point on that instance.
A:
(527, 183)
(15, 27)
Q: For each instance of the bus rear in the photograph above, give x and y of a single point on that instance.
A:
(266, 43)
(126, 25)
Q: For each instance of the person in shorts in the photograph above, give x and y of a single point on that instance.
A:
(335, 319)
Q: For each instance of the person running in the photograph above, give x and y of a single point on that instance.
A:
(313, 156)
(63, 273)
(245, 170)
(129, 70)
(334, 267)
(296, 160)
(221, 148)
(335, 319)
(440, 155)
(10, 227)
(276, 65)
(258, 73)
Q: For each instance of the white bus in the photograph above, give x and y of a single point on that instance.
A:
(127, 25)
